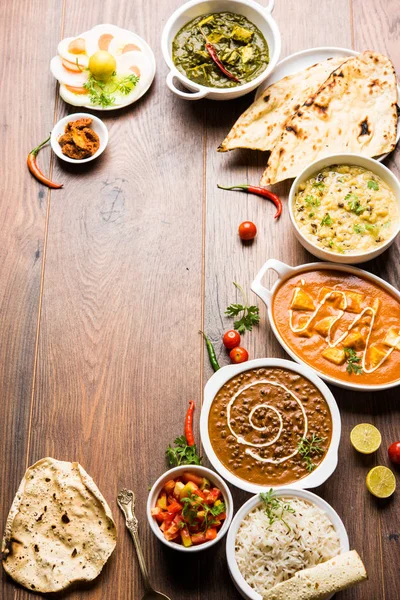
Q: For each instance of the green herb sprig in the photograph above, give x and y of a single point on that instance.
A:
(249, 315)
(373, 185)
(309, 449)
(327, 220)
(352, 361)
(192, 504)
(101, 92)
(275, 508)
(182, 454)
(354, 205)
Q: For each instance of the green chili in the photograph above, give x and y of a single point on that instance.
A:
(211, 352)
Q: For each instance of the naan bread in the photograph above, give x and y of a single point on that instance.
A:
(318, 583)
(262, 123)
(59, 529)
(353, 111)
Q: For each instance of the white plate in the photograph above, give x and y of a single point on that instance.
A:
(306, 58)
(248, 592)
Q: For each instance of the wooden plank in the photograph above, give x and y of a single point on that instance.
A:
(378, 25)
(119, 354)
(27, 111)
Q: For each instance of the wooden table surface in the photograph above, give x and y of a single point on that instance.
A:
(105, 283)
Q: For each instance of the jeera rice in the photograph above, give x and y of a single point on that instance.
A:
(269, 553)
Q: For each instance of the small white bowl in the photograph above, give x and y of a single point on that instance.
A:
(215, 479)
(344, 159)
(242, 586)
(257, 14)
(59, 129)
(220, 377)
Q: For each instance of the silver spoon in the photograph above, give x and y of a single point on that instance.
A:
(126, 502)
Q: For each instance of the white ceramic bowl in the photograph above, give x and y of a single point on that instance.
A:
(344, 159)
(214, 384)
(215, 479)
(97, 126)
(257, 14)
(284, 271)
(239, 581)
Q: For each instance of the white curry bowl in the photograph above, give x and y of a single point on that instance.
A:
(320, 474)
(285, 271)
(257, 14)
(215, 479)
(240, 583)
(353, 160)
(59, 129)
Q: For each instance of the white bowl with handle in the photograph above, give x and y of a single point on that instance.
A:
(257, 14)
(284, 272)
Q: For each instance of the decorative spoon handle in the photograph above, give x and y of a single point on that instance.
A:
(126, 502)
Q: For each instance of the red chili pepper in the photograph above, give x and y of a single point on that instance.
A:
(36, 172)
(213, 53)
(260, 191)
(189, 424)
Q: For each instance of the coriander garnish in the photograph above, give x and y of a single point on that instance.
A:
(194, 504)
(359, 228)
(101, 92)
(312, 201)
(275, 508)
(352, 361)
(248, 314)
(327, 220)
(354, 204)
(309, 448)
(182, 454)
(372, 185)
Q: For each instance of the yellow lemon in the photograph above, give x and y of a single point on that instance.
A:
(381, 482)
(365, 438)
(102, 65)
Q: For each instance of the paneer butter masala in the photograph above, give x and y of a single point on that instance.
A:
(270, 426)
(343, 325)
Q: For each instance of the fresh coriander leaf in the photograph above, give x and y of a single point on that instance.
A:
(311, 215)
(249, 315)
(327, 220)
(319, 185)
(312, 201)
(352, 361)
(370, 227)
(354, 204)
(359, 228)
(373, 185)
(182, 454)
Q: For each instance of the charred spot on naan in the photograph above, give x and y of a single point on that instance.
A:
(364, 127)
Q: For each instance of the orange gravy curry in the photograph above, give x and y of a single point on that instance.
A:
(340, 324)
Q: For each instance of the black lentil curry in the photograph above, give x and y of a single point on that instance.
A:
(270, 426)
(238, 43)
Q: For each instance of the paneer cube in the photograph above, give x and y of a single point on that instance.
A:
(376, 355)
(354, 302)
(336, 356)
(241, 34)
(323, 326)
(336, 298)
(392, 338)
(302, 300)
(354, 340)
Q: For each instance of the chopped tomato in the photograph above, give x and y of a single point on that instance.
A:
(169, 487)
(172, 532)
(211, 533)
(199, 538)
(175, 508)
(192, 477)
(212, 496)
(158, 514)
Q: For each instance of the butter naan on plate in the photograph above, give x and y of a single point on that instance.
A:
(59, 529)
(353, 111)
(261, 125)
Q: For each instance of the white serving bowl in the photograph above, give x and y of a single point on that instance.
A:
(220, 377)
(248, 592)
(344, 159)
(215, 479)
(59, 129)
(284, 271)
(257, 14)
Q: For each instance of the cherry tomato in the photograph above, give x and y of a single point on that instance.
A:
(247, 230)
(231, 339)
(238, 355)
(394, 453)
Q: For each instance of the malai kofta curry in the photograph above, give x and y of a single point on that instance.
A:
(270, 426)
(340, 324)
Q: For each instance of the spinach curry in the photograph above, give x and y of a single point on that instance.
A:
(234, 40)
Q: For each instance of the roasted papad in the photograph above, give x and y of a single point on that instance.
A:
(318, 583)
(59, 529)
(354, 111)
(261, 125)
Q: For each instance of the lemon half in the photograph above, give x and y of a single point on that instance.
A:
(381, 482)
(365, 438)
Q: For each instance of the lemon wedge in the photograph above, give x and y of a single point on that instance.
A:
(381, 482)
(365, 438)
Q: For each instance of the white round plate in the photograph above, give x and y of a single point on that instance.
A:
(306, 58)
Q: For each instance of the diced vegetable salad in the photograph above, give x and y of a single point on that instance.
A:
(189, 510)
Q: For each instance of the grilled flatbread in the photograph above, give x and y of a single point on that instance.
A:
(59, 529)
(260, 126)
(353, 111)
(318, 583)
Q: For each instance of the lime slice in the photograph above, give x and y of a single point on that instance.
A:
(365, 438)
(381, 482)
